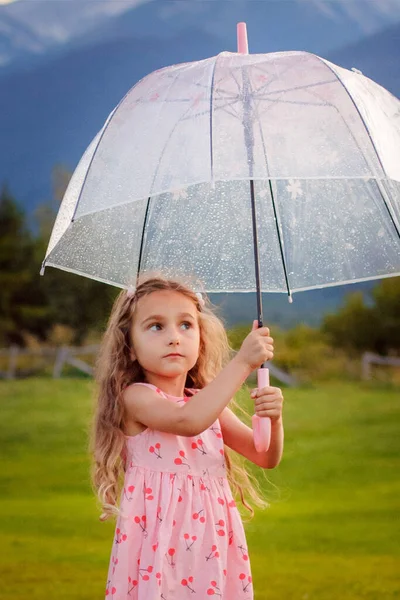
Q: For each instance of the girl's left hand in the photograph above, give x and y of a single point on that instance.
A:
(268, 402)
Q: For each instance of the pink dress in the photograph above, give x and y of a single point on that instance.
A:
(182, 533)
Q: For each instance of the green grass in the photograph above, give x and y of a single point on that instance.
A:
(332, 530)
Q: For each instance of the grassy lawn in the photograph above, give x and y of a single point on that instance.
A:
(332, 531)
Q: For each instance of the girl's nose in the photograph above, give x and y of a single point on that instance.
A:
(174, 338)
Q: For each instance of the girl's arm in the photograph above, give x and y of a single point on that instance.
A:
(201, 410)
(239, 437)
(146, 406)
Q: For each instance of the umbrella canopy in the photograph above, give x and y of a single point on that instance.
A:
(165, 184)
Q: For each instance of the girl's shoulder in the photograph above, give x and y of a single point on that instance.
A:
(149, 385)
(188, 391)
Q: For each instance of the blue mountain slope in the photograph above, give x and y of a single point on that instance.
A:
(51, 113)
(378, 57)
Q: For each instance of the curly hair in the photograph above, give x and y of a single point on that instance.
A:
(115, 370)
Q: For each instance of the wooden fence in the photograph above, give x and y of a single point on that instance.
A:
(56, 357)
(68, 355)
(369, 358)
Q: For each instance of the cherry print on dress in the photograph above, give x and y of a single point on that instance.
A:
(114, 562)
(181, 459)
(159, 514)
(185, 582)
(139, 520)
(144, 576)
(214, 591)
(213, 553)
(187, 538)
(156, 450)
(158, 577)
(119, 536)
(220, 523)
(184, 400)
(203, 485)
(170, 556)
(196, 516)
(242, 577)
(113, 590)
(133, 583)
(130, 490)
(198, 445)
(243, 550)
(148, 493)
(216, 430)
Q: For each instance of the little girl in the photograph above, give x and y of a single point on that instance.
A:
(159, 431)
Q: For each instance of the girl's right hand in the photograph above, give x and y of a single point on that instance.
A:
(257, 347)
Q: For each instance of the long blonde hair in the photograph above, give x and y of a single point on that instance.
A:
(115, 370)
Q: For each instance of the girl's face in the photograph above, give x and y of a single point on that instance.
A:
(165, 323)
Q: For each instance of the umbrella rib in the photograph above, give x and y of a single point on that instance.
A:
(373, 145)
(349, 130)
(182, 118)
(297, 87)
(211, 119)
(94, 154)
(273, 203)
(142, 239)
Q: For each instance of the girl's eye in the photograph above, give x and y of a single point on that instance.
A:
(154, 325)
(187, 323)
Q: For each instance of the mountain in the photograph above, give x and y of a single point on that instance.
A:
(307, 307)
(33, 32)
(30, 31)
(377, 57)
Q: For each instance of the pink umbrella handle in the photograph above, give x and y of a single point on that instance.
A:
(262, 425)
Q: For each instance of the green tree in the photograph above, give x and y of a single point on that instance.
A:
(360, 327)
(34, 305)
(71, 300)
(17, 306)
(386, 296)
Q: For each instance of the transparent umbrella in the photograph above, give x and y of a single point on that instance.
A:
(271, 172)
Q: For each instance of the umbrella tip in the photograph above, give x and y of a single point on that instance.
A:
(290, 298)
(42, 269)
(242, 44)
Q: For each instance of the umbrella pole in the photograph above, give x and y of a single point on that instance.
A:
(256, 256)
(244, 49)
(261, 426)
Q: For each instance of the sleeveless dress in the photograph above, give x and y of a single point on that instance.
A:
(181, 535)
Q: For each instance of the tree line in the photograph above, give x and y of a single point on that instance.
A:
(57, 307)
